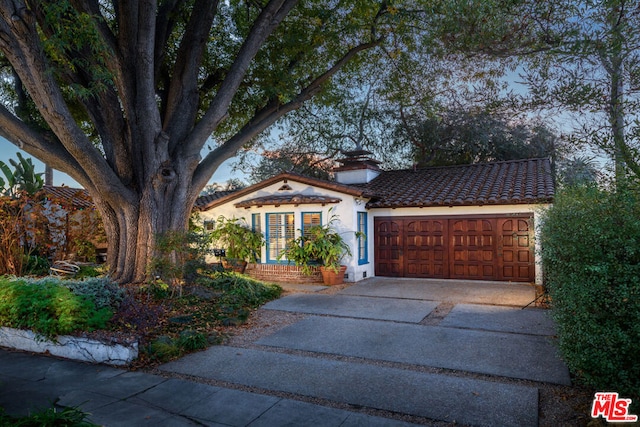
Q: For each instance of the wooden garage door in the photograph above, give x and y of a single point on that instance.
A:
(482, 248)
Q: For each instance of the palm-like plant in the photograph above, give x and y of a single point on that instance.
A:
(22, 178)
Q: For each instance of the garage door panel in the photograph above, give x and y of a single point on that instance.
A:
(388, 247)
(517, 261)
(487, 248)
(424, 245)
(473, 248)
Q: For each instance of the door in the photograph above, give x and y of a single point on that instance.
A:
(516, 250)
(425, 248)
(473, 248)
(479, 248)
(388, 248)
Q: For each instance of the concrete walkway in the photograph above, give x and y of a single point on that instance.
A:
(393, 347)
(115, 397)
(375, 345)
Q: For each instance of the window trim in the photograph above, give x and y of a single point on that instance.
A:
(363, 258)
(302, 214)
(267, 234)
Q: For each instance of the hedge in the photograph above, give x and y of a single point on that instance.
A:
(590, 241)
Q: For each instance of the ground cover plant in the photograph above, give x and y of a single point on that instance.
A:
(49, 417)
(50, 308)
(591, 255)
(200, 317)
(166, 324)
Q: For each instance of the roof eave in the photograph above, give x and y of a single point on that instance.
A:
(327, 185)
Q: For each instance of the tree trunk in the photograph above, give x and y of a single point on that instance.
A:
(132, 229)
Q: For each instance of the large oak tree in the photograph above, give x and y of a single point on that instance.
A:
(126, 95)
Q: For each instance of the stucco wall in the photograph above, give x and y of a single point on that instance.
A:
(347, 211)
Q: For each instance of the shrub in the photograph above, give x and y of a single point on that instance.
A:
(165, 348)
(48, 308)
(35, 265)
(591, 256)
(69, 417)
(243, 291)
(100, 290)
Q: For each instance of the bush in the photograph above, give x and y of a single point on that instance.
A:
(165, 348)
(591, 257)
(68, 417)
(48, 308)
(243, 291)
(100, 290)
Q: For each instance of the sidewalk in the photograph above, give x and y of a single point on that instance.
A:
(115, 397)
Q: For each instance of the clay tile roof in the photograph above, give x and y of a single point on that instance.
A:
(209, 198)
(508, 182)
(77, 197)
(289, 199)
(320, 183)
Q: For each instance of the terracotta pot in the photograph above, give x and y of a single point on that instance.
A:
(330, 277)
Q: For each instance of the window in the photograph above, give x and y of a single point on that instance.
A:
(363, 256)
(209, 226)
(256, 224)
(280, 229)
(310, 219)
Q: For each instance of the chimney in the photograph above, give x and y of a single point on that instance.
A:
(357, 167)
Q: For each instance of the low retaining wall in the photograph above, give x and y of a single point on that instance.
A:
(283, 273)
(85, 349)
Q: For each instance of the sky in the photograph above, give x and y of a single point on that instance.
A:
(8, 151)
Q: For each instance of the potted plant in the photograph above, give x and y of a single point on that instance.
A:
(240, 242)
(323, 245)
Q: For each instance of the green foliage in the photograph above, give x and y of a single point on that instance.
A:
(85, 249)
(50, 417)
(178, 256)
(157, 288)
(35, 265)
(591, 255)
(165, 348)
(320, 243)
(87, 271)
(22, 178)
(51, 309)
(237, 238)
(190, 340)
(100, 290)
(463, 137)
(242, 291)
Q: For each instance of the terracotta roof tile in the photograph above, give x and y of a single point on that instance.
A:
(290, 199)
(78, 197)
(509, 182)
(209, 198)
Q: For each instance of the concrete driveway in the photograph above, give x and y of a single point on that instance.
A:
(442, 351)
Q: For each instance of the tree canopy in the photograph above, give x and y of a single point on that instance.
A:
(141, 101)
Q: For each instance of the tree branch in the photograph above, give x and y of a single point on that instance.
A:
(20, 43)
(49, 151)
(182, 101)
(270, 17)
(266, 117)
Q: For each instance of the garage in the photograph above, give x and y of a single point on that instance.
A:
(463, 247)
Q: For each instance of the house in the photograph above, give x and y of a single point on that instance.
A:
(74, 226)
(457, 222)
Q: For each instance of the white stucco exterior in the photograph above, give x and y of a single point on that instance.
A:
(347, 213)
